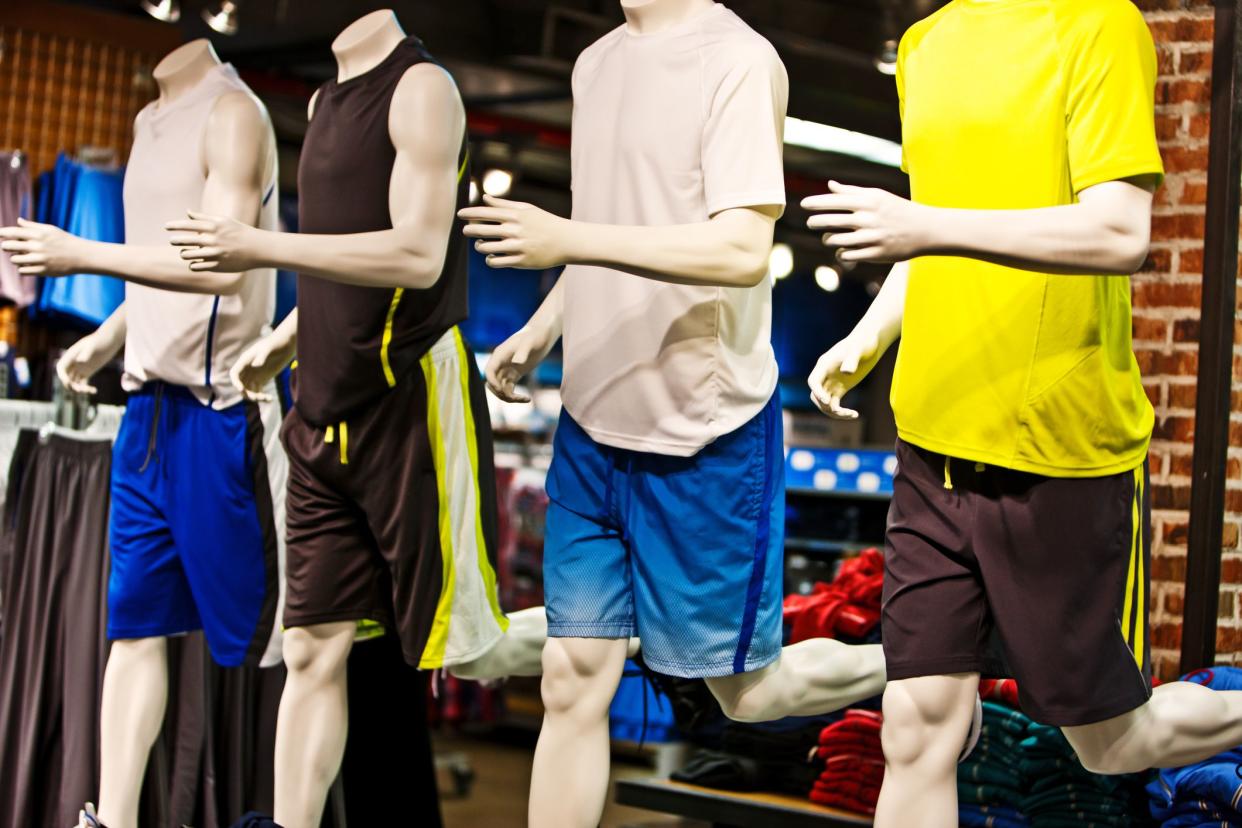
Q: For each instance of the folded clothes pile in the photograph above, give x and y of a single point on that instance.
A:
(1063, 793)
(853, 763)
(769, 756)
(990, 782)
(849, 607)
(1209, 792)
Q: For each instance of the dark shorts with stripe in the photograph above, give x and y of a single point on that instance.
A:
(392, 514)
(1002, 572)
(684, 552)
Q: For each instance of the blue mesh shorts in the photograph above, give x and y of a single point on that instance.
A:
(685, 552)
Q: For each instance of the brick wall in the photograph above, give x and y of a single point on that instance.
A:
(1166, 325)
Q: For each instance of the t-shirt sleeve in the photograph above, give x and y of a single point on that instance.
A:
(901, 95)
(743, 141)
(1110, 123)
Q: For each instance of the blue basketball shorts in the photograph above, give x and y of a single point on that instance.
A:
(197, 524)
(684, 552)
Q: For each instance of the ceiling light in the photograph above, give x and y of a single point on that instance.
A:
(474, 191)
(780, 261)
(812, 135)
(827, 278)
(167, 10)
(497, 182)
(224, 19)
(886, 60)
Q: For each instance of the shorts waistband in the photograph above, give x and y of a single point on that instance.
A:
(169, 391)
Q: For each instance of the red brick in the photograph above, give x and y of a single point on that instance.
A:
(1225, 607)
(1182, 395)
(1164, 61)
(1180, 465)
(1179, 159)
(1228, 639)
(1152, 389)
(1182, 91)
(1231, 571)
(1178, 226)
(1168, 127)
(1168, 295)
(1229, 535)
(1190, 261)
(1175, 533)
(1192, 62)
(1158, 261)
(1186, 330)
(1151, 330)
(1200, 125)
(1184, 30)
(1193, 192)
(1177, 429)
(1174, 604)
(1174, 497)
(1167, 636)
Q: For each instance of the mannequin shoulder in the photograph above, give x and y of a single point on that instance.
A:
(425, 95)
(1090, 19)
(238, 116)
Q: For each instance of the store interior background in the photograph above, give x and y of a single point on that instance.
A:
(72, 76)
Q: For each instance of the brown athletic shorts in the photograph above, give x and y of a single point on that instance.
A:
(392, 514)
(1002, 572)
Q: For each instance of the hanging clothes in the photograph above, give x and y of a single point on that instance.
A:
(15, 202)
(85, 201)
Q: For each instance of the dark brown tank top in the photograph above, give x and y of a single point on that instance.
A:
(354, 343)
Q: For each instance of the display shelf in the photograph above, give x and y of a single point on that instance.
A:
(727, 809)
(827, 547)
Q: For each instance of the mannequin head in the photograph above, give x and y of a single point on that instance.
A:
(184, 66)
(365, 42)
(650, 16)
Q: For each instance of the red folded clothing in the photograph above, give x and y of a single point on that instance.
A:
(860, 800)
(850, 605)
(1004, 691)
(862, 747)
(855, 722)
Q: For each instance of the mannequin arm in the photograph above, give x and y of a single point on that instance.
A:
(729, 250)
(1106, 232)
(849, 361)
(259, 364)
(83, 359)
(521, 353)
(426, 121)
(235, 149)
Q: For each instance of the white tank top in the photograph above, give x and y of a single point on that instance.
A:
(187, 339)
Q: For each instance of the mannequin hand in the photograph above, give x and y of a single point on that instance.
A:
(869, 225)
(216, 243)
(81, 361)
(258, 366)
(514, 358)
(516, 234)
(839, 370)
(41, 249)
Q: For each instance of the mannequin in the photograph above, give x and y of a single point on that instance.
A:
(1068, 519)
(652, 262)
(213, 149)
(384, 166)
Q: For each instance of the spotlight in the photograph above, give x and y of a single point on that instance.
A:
(167, 10)
(827, 278)
(474, 191)
(780, 261)
(497, 183)
(224, 19)
(886, 60)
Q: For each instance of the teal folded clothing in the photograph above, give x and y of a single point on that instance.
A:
(985, 816)
(1005, 717)
(1072, 821)
(989, 795)
(988, 773)
(1083, 781)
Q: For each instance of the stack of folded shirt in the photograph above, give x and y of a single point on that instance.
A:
(990, 782)
(853, 763)
(1062, 792)
(849, 607)
(1209, 792)
(769, 756)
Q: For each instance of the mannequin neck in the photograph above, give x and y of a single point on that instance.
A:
(183, 67)
(365, 43)
(644, 17)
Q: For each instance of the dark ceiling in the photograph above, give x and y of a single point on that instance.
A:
(512, 61)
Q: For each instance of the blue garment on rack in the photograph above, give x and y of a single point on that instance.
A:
(86, 202)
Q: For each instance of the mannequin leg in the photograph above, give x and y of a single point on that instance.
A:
(926, 721)
(519, 652)
(135, 694)
(815, 676)
(313, 721)
(569, 781)
(1182, 724)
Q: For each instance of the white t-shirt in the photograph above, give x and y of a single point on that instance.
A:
(671, 128)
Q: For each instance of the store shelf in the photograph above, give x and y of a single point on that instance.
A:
(726, 809)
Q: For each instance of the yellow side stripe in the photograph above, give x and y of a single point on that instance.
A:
(386, 341)
(329, 435)
(485, 564)
(1140, 617)
(437, 641)
(344, 443)
(1127, 613)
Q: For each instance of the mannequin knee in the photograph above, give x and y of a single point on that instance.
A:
(138, 649)
(916, 732)
(748, 704)
(1106, 753)
(574, 686)
(312, 654)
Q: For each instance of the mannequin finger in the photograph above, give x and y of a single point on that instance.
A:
(29, 259)
(32, 270)
(484, 214)
(849, 365)
(187, 240)
(504, 261)
(499, 246)
(190, 226)
(856, 239)
(840, 221)
(832, 201)
(838, 187)
(209, 252)
(14, 232)
(862, 254)
(204, 265)
(18, 245)
(497, 201)
(487, 231)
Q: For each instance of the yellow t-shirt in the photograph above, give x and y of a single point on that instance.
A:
(1018, 104)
